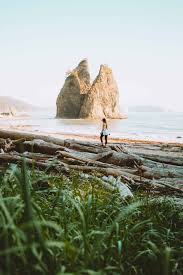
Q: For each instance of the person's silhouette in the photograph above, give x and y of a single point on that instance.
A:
(104, 133)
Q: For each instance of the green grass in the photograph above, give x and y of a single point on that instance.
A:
(51, 224)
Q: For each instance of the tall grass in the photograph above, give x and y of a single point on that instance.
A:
(50, 224)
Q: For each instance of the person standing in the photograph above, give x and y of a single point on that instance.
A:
(104, 133)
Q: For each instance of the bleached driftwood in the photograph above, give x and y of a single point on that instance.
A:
(41, 146)
(15, 135)
(152, 167)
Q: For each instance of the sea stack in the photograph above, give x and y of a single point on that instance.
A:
(79, 98)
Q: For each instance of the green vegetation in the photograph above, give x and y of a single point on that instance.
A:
(53, 224)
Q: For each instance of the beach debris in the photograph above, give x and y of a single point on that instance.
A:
(123, 189)
(154, 168)
(41, 146)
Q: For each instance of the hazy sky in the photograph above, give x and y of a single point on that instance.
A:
(141, 40)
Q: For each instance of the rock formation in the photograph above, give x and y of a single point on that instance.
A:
(71, 96)
(12, 107)
(80, 99)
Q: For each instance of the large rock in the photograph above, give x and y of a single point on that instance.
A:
(79, 99)
(71, 96)
(102, 99)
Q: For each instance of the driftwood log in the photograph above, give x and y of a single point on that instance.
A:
(154, 167)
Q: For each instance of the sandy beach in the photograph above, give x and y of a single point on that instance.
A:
(91, 138)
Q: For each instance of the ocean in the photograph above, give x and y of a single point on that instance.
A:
(162, 126)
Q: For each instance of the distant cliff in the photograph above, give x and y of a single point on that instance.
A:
(13, 107)
(79, 98)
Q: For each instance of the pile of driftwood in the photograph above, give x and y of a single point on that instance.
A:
(155, 168)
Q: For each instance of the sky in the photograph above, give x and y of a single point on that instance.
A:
(141, 40)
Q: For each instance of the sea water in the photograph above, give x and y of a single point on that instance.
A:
(162, 126)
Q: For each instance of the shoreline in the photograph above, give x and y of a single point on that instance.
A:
(89, 138)
(111, 139)
(136, 129)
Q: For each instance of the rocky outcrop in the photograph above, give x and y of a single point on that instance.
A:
(10, 107)
(79, 99)
(71, 96)
(102, 99)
